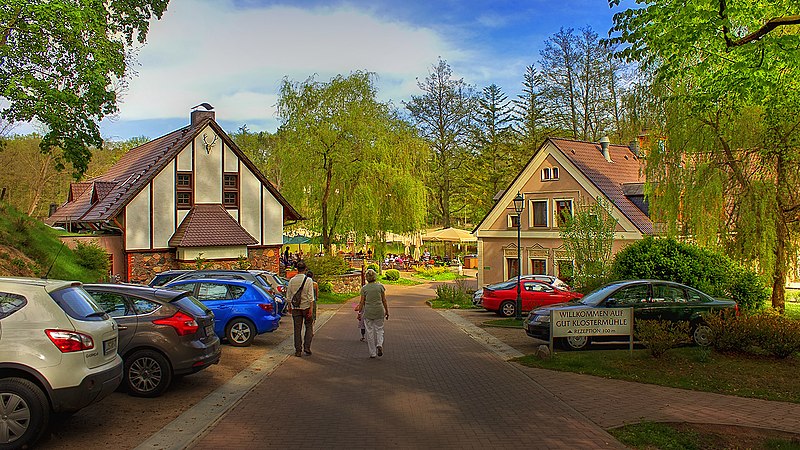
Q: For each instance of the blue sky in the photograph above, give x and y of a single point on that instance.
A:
(234, 53)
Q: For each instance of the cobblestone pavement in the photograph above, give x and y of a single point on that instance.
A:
(435, 387)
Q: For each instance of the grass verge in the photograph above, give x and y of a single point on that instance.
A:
(446, 276)
(504, 323)
(686, 368)
(332, 298)
(680, 436)
(400, 282)
(792, 310)
(440, 304)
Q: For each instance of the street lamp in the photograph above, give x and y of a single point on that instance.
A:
(519, 205)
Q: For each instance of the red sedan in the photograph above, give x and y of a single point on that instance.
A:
(502, 297)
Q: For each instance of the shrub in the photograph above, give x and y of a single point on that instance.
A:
(729, 332)
(659, 336)
(325, 286)
(242, 263)
(766, 332)
(452, 294)
(325, 267)
(429, 272)
(91, 256)
(375, 267)
(708, 271)
(392, 274)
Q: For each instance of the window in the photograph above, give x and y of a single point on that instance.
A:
(555, 173)
(10, 303)
(563, 212)
(539, 208)
(212, 291)
(143, 306)
(631, 295)
(549, 174)
(113, 304)
(668, 294)
(513, 220)
(539, 266)
(537, 287)
(184, 189)
(230, 190)
(545, 174)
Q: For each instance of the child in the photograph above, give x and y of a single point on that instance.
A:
(361, 324)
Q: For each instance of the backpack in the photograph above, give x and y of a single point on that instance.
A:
(298, 296)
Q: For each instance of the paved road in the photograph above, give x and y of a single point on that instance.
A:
(435, 387)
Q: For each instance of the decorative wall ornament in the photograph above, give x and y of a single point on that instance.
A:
(209, 145)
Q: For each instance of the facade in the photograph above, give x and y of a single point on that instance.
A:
(561, 175)
(186, 197)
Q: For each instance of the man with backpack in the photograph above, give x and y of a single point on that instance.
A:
(300, 292)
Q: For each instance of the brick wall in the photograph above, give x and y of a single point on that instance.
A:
(144, 266)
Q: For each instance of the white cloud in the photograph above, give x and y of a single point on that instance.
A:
(235, 59)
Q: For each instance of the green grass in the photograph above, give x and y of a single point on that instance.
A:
(687, 368)
(504, 323)
(400, 282)
(440, 304)
(332, 298)
(793, 310)
(656, 435)
(446, 276)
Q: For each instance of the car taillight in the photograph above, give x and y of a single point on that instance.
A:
(182, 323)
(266, 307)
(70, 341)
(281, 289)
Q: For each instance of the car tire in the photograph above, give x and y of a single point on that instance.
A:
(507, 309)
(147, 373)
(576, 342)
(702, 334)
(26, 412)
(240, 332)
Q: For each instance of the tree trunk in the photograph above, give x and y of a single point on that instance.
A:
(781, 266)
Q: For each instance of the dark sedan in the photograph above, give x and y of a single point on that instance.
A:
(650, 299)
(162, 333)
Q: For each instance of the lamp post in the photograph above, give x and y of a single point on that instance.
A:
(519, 205)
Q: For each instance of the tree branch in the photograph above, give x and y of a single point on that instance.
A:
(771, 24)
(11, 24)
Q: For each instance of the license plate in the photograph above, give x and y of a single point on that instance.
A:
(209, 330)
(109, 346)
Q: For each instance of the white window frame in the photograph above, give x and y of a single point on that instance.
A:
(511, 221)
(531, 212)
(545, 174)
(554, 173)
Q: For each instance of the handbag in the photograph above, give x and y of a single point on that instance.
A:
(298, 296)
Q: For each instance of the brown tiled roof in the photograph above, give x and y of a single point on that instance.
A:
(138, 167)
(209, 225)
(609, 177)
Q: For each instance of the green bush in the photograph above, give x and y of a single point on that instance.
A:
(764, 333)
(708, 271)
(392, 275)
(730, 333)
(659, 336)
(91, 256)
(325, 267)
(325, 286)
(452, 294)
(430, 272)
(375, 267)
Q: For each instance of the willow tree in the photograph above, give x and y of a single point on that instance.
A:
(351, 165)
(727, 169)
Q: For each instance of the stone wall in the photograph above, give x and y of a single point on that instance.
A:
(265, 258)
(346, 283)
(144, 266)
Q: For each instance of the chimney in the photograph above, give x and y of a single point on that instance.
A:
(604, 141)
(634, 147)
(198, 115)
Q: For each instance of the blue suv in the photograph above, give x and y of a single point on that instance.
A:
(241, 308)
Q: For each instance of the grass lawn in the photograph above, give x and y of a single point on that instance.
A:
(400, 282)
(439, 304)
(331, 298)
(504, 323)
(446, 276)
(792, 310)
(680, 436)
(687, 368)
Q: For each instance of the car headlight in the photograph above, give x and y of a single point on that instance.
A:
(543, 318)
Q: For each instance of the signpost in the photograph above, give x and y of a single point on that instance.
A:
(591, 322)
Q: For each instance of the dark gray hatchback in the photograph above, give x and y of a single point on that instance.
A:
(162, 333)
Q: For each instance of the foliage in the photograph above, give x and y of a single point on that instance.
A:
(343, 141)
(588, 236)
(87, 48)
(392, 274)
(686, 368)
(656, 435)
(326, 286)
(443, 115)
(429, 272)
(334, 298)
(92, 256)
(374, 266)
(201, 263)
(766, 332)
(449, 296)
(711, 272)
(327, 266)
(659, 336)
(725, 166)
(242, 263)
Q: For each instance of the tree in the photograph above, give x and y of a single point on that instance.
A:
(351, 163)
(588, 236)
(531, 121)
(264, 150)
(61, 63)
(728, 166)
(444, 116)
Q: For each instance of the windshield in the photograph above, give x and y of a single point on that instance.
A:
(78, 304)
(596, 296)
(504, 285)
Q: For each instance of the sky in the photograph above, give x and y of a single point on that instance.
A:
(234, 54)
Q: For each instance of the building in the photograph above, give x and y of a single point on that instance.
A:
(563, 173)
(190, 196)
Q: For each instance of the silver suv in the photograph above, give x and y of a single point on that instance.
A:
(58, 353)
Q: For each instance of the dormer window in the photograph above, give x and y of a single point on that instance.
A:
(554, 173)
(545, 174)
(550, 173)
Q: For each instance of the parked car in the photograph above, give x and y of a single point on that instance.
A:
(242, 309)
(58, 353)
(501, 298)
(266, 280)
(477, 296)
(650, 299)
(166, 276)
(162, 333)
(275, 281)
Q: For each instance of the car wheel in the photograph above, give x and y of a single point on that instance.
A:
(507, 309)
(240, 332)
(576, 342)
(147, 373)
(24, 413)
(702, 335)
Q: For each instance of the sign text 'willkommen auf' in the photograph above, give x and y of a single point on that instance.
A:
(592, 322)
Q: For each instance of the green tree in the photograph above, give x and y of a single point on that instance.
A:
(588, 236)
(531, 120)
(444, 116)
(348, 159)
(61, 63)
(727, 170)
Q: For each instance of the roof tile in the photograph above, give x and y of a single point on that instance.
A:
(209, 225)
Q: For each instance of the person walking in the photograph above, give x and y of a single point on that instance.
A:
(310, 275)
(301, 308)
(374, 310)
